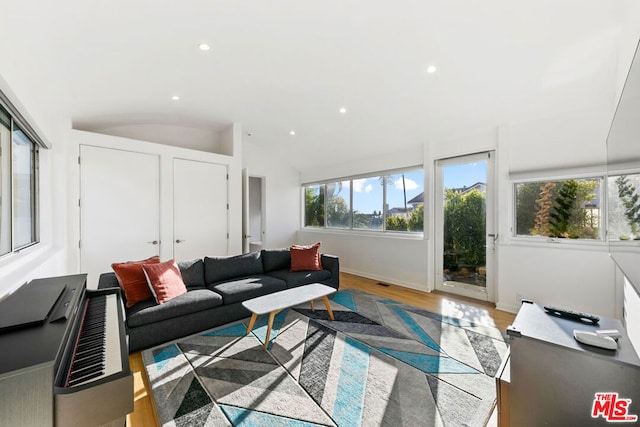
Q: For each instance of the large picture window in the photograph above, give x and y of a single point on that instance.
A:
(559, 209)
(378, 202)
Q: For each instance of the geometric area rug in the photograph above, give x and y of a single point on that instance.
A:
(379, 363)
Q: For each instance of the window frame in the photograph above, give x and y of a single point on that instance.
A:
(573, 174)
(17, 124)
(351, 229)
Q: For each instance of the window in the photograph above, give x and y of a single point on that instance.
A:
(24, 183)
(338, 204)
(18, 185)
(564, 208)
(368, 203)
(377, 202)
(624, 207)
(314, 206)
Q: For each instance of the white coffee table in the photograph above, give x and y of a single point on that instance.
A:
(278, 301)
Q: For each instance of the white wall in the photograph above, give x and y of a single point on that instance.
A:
(166, 153)
(395, 259)
(567, 274)
(282, 196)
(48, 257)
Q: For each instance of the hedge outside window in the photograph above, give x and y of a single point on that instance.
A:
(562, 209)
(624, 207)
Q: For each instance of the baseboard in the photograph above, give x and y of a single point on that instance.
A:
(393, 281)
(507, 307)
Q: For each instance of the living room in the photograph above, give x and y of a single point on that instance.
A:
(539, 91)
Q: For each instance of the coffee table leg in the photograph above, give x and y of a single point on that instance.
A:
(269, 325)
(251, 322)
(311, 303)
(326, 304)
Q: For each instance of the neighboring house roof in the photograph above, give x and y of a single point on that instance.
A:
(399, 210)
(481, 186)
(417, 200)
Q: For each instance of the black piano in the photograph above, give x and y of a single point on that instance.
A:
(63, 356)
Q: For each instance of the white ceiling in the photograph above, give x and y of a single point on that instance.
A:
(279, 65)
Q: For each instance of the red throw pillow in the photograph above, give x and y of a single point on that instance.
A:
(133, 281)
(164, 280)
(305, 258)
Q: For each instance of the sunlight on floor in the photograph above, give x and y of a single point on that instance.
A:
(465, 311)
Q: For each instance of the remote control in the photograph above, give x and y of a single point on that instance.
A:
(570, 314)
(592, 338)
(613, 333)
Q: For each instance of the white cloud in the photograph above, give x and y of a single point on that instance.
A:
(408, 183)
(358, 185)
(368, 188)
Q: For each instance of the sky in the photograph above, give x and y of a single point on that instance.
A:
(367, 192)
(458, 176)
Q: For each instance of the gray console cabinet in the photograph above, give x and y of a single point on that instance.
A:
(555, 379)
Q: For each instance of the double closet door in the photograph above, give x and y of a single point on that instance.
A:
(130, 209)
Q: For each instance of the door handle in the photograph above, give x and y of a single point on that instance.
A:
(180, 241)
(154, 242)
(495, 236)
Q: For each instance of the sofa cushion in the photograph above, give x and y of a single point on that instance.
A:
(195, 300)
(245, 288)
(218, 269)
(133, 281)
(192, 273)
(305, 257)
(276, 259)
(299, 278)
(164, 280)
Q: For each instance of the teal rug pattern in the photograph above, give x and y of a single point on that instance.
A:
(379, 363)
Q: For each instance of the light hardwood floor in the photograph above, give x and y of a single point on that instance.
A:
(144, 413)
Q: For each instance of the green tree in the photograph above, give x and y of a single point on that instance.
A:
(631, 203)
(526, 194)
(338, 212)
(544, 206)
(464, 229)
(416, 219)
(563, 205)
(314, 207)
(396, 223)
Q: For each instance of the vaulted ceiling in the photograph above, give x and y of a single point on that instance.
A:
(281, 65)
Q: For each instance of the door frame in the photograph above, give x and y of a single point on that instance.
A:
(489, 292)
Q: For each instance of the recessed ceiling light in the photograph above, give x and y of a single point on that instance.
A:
(204, 46)
(431, 69)
(342, 110)
(175, 97)
(292, 132)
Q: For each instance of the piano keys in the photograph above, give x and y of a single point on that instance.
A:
(73, 370)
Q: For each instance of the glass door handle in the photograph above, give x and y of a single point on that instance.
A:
(495, 236)
(180, 241)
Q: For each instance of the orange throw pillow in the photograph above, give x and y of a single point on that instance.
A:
(133, 281)
(305, 258)
(164, 280)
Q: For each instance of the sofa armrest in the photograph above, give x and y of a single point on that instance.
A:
(108, 280)
(332, 263)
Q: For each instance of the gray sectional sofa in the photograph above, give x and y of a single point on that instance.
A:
(216, 287)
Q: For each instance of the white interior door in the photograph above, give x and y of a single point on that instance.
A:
(200, 209)
(257, 208)
(119, 208)
(246, 232)
(465, 225)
